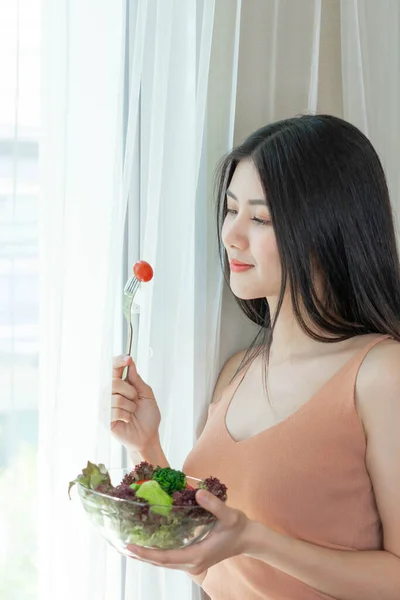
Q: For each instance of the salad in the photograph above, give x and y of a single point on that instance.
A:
(151, 506)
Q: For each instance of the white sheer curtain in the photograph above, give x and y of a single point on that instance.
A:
(371, 79)
(86, 184)
(82, 224)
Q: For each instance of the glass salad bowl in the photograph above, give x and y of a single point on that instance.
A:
(125, 521)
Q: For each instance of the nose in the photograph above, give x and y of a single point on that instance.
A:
(234, 233)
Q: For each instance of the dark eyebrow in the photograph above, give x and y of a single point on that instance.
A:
(257, 202)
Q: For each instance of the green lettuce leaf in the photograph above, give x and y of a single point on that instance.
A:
(91, 477)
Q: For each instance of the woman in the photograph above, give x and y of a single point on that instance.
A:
(304, 427)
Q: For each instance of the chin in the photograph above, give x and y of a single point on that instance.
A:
(244, 292)
(249, 291)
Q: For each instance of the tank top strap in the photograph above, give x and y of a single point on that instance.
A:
(355, 363)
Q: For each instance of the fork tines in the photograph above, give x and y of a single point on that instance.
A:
(131, 286)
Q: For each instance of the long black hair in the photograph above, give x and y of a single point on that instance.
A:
(330, 209)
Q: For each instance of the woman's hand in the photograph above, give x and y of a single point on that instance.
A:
(227, 538)
(135, 416)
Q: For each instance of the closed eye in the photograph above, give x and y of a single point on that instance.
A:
(261, 221)
(232, 211)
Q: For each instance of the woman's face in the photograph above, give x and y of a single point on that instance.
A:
(248, 237)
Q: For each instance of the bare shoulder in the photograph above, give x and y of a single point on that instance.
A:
(378, 404)
(226, 374)
(378, 381)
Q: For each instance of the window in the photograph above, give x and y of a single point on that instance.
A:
(19, 134)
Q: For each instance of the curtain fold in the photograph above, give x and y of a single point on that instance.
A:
(370, 48)
(173, 103)
(219, 132)
(82, 213)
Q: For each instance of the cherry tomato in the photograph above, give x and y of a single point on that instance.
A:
(143, 271)
(142, 481)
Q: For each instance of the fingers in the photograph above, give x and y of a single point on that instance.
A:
(123, 388)
(171, 559)
(119, 363)
(120, 415)
(134, 378)
(121, 408)
(123, 403)
(124, 393)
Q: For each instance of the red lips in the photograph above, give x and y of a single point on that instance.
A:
(240, 263)
(238, 267)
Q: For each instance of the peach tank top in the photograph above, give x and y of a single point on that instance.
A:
(305, 477)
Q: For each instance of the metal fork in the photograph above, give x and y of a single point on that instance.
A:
(130, 289)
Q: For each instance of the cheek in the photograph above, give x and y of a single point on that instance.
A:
(269, 263)
(224, 232)
(267, 252)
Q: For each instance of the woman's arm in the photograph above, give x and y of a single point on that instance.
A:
(355, 575)
(153, 454)
(345, 575)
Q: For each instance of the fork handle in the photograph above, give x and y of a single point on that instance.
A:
(128, 349)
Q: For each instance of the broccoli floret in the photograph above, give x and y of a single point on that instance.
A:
(170, 480)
